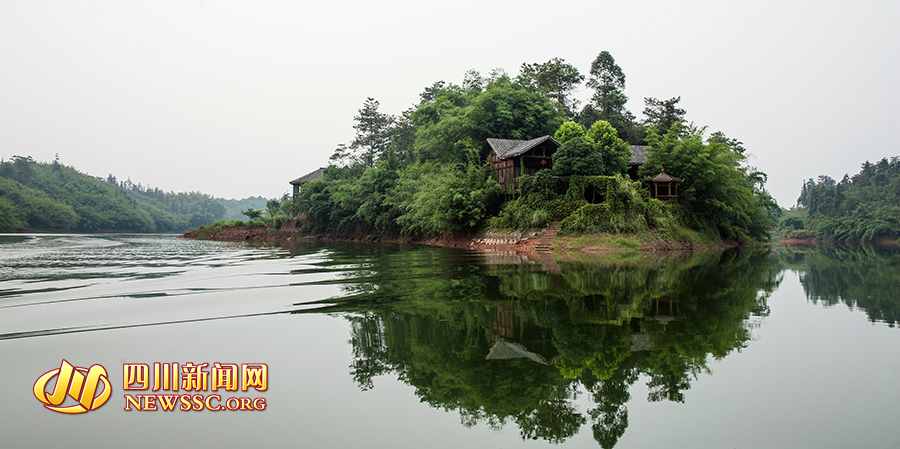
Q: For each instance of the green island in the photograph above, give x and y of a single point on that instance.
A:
(511, 158)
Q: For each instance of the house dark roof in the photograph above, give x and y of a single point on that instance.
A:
(663, 177)
(507, 148)
(638, 154)
(309, 176)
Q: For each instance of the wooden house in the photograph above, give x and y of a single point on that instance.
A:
(312, 176)
(514, 158)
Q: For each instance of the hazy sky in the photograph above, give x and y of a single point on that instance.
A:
(235, 99)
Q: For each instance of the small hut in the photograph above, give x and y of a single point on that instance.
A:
(306, 178)
(664, 187)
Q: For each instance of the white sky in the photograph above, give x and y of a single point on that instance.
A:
(235, 99)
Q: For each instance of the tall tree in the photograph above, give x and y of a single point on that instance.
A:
(554, 78)
(431, 93)
(734, 144)
(473, 80)
(608, 102)
(608, 80)
(663, 113)
(373, 132)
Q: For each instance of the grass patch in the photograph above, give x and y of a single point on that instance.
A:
(618, 241)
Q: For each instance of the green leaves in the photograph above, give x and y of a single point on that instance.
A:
(568, 131)
(598, 151)
(53, 197)
(554, 78)
(863, 207)
(444, 198)
(719, 193)
(577, 156)
(613, 151)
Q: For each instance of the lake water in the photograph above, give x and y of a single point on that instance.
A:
(408, 346)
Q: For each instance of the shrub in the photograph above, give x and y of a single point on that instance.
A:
(539, 218)
(279, 220)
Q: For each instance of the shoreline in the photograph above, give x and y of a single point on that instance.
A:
(496, 241)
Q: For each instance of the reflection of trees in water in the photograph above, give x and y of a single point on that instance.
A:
(588, 327)
(861, 276)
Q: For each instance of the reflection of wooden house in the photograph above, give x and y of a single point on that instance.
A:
(304, 179)
(663, 186)
(514, 158)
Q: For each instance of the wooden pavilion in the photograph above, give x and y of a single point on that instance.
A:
(664, 187)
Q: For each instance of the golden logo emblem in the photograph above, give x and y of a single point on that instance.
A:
(81, 384)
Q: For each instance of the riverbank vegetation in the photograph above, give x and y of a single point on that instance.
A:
(425, 171)
(55, 197)
(864, 207)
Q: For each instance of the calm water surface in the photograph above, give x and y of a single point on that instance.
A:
(392, 346)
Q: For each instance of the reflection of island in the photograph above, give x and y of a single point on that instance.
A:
(510, 342)
(863, 277)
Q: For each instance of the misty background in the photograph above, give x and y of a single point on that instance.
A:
(235, 99)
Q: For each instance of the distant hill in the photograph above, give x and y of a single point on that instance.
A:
(234, 207)
(864, 207)
(54, 197)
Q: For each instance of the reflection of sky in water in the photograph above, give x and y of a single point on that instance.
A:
(810, 377)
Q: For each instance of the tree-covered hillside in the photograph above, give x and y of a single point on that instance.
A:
(425, 171)
(865, 206)
(55, 197)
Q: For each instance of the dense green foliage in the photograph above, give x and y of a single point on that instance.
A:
(556, 79)
(863, 207)
(613, 150)
(577, 156)
(54, 197)
(425, 171)
(590, 204)
(430, 177)
(597, 151)
(720, 194)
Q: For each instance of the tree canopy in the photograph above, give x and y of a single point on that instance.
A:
(720, 193)
(556, 78)
(861, 207)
